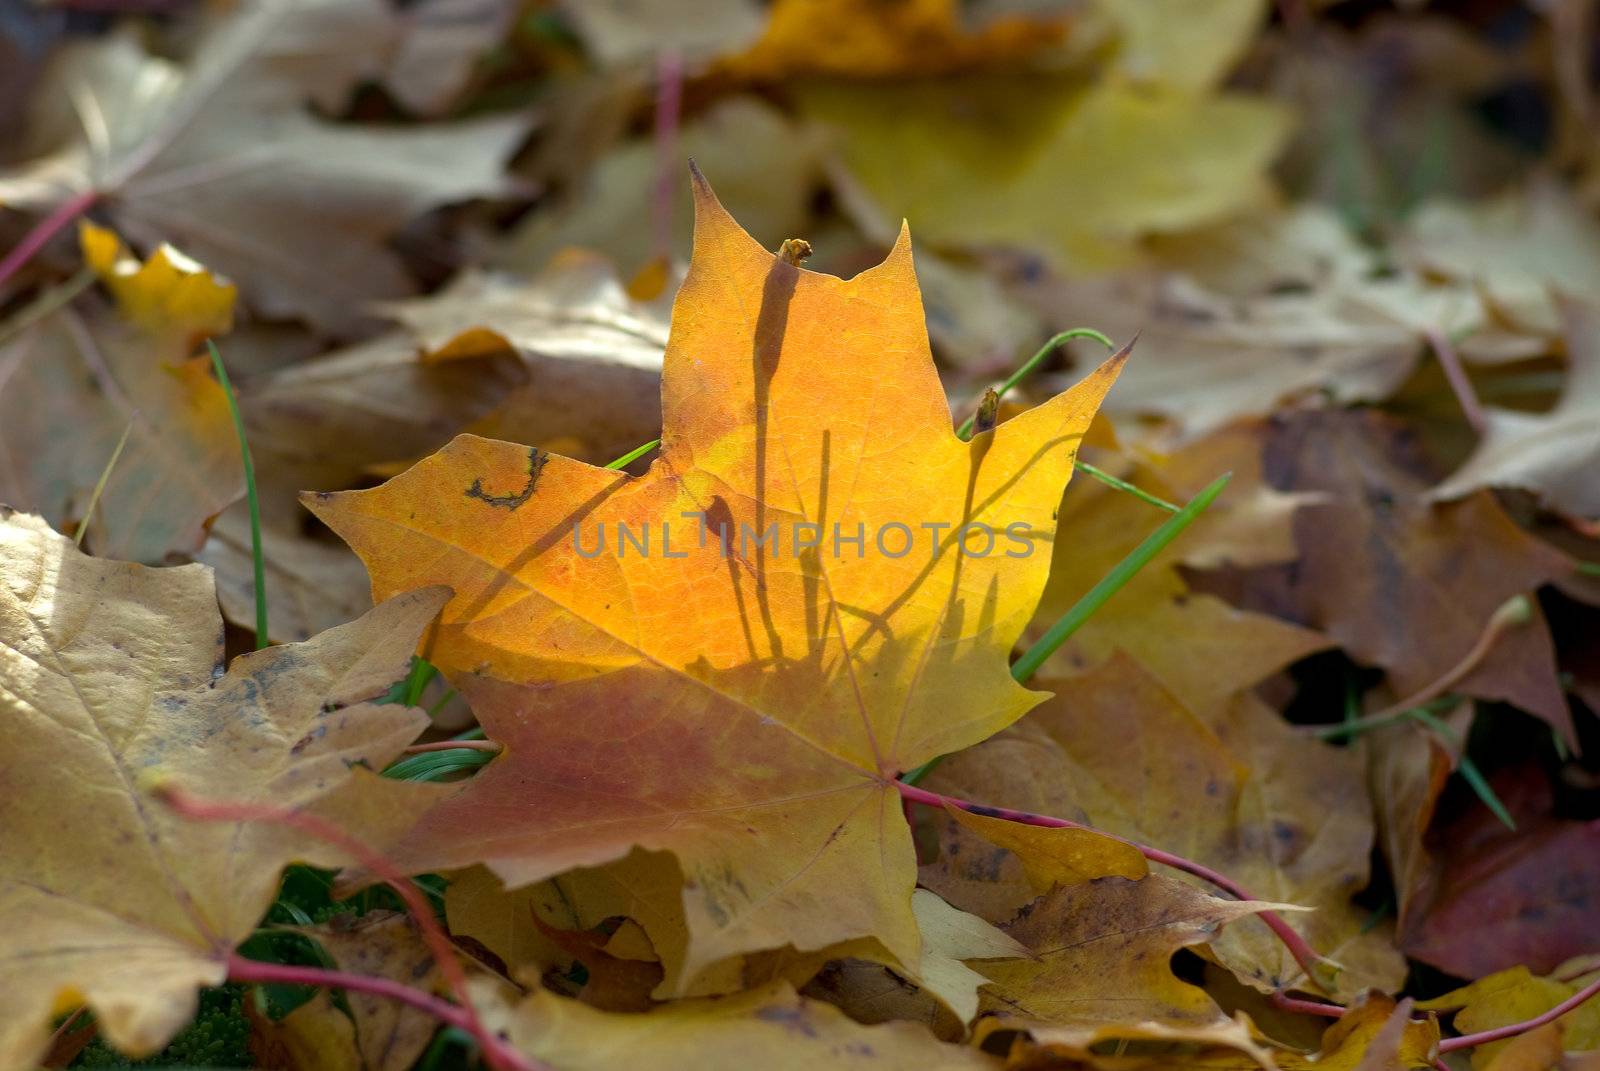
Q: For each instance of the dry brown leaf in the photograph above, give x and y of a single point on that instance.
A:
(110, 681)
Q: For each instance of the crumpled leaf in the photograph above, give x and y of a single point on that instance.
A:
(750, 709)
(1102, 970)
(110, 680)
(1136, 161)
(73, 380)
(223, 158)
(790, 1033)
(1516, 995)
(1553, 454)
(1238, 791)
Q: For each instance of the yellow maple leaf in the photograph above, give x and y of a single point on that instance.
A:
(108, 682)
(742, 702)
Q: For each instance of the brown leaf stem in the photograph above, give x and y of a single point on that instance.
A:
(452, 745)
(46, 229)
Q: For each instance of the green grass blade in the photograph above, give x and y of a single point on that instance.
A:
(1114, 581)
(635, 454)
(1468, 769)
(432, 765)
(417, 678)
(965, 431)
(252, 496)
(100, 484)
(1123, 485)
(1124, 571)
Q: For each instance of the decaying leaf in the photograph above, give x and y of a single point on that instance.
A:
(110, 682)
(751, 706)
(223, 158)
(74, 380)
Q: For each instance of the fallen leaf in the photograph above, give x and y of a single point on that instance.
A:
(752, 708)
(1526, 896)
(1520, 248)
(590, 353)
(440, 43)
(1238, 791)
(1173, 43)
(621, 32)
(764, 161)
(74, 379)
(1552, 454)
(223, 158)
(790, 1032)
(1136, 161)
(1222, 649)
(1407, 769)
(1398, 582)
(1516, 995)
(110, 678)
(1102, 968)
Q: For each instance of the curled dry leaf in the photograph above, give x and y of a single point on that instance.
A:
(74, 379)
(746, 710)
(111, 682)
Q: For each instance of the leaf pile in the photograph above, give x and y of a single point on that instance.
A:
(674, 655)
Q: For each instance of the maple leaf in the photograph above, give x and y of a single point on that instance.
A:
(223, 158)
(1235, 789)
(1552, 454)
(745, 711)
(110, 679)
(100, 371)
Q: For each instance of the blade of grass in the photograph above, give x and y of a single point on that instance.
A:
(1123, 485)
(1124, 571)
(100, 484)
(417, 678)
(432, 765)
(635, 454)
(1468, 769)
(258, 560)
(1116, 579)
(965, 431)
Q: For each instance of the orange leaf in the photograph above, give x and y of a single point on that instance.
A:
(744, 710)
